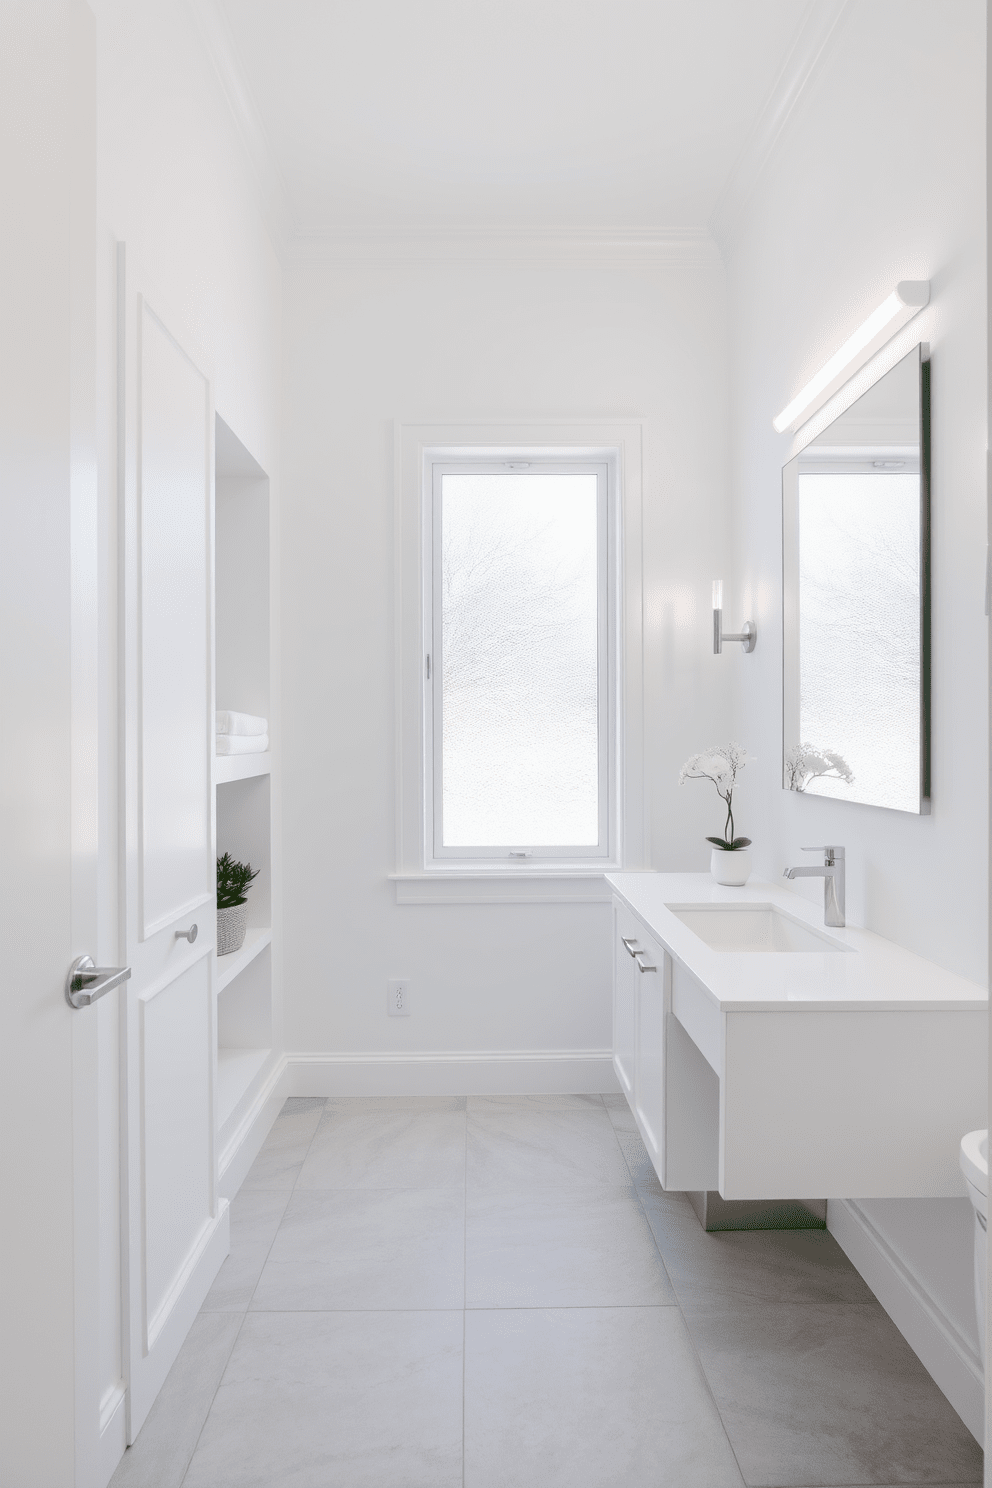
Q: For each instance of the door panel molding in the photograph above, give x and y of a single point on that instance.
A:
(152, 990)
(177, 1230)
(177, 1165)
(190, 907)
(173, 510)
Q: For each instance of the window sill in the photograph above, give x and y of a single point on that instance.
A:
(505, 886)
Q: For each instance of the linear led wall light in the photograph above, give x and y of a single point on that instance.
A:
(905, 301)
(748, 636)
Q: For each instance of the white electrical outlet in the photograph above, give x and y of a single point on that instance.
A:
(398, 998)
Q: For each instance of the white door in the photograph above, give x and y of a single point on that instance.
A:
(61, 1390)
(177, 1226)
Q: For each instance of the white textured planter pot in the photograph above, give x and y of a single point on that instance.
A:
(731, 868)
(232, 926)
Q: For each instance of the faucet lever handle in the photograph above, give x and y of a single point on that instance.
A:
(837, 852)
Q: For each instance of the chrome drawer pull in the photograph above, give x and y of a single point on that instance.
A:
(630, 945)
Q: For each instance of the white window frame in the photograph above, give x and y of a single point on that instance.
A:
(422, 875)
(437, 464)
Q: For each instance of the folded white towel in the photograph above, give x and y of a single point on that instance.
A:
(241, 723)
(242, 743)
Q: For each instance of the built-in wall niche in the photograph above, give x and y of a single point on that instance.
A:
(247, 1015)
(244, 1032)
(241, 596)
(243, 830)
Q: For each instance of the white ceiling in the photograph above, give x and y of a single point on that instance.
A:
(529, 115)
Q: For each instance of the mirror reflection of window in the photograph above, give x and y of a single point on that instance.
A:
(859, 638)
(854, 526)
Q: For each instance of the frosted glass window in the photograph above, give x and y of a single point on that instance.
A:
(859, 634)
(519, 631)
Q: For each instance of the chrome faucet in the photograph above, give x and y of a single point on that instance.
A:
(832, 874)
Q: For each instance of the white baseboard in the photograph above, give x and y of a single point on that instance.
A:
(930, 1333)
(513, 1072)
(244, 1143)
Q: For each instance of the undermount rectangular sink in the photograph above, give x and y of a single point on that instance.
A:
(751, 927)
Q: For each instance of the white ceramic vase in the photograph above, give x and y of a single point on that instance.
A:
(730, 868)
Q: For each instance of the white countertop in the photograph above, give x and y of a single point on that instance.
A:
(879, 975)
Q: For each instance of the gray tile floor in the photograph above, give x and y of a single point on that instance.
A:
(495, 1292)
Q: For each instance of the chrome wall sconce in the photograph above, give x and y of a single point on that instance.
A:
(748, 636)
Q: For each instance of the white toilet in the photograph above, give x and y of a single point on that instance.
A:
(974, 1161)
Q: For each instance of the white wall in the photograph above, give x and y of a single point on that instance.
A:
(483, 341)
(880, 178)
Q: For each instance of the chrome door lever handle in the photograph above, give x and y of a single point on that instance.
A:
(86, 982)
(189, 934)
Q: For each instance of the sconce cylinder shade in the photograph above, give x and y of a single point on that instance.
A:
(717, 616)
(748, 637)
(906, 300)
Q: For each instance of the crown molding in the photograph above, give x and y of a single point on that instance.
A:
(220, 47)
(359, 246)
(819, 28)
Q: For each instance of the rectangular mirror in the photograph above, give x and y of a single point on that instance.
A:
(856, 600)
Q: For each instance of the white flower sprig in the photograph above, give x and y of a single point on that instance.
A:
(804, 762)
(722, 765)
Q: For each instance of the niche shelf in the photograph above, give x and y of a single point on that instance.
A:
(248, 1023)
(228, 767)
(228, 967)
(237, 1072)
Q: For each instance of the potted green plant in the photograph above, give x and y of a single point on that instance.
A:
(730, 862)
(233, 882)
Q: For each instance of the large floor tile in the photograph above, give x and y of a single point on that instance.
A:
(585, 1397)
(165, 1443)
(337, 1400)
(282, 1154)
(385, 1103)
(364, 1249)
(535, 1103)
(620, 1113)
(255, 1218)
(376, 1148)
(748, 1265)
(636, 1157)
(561, 1249)
(543, 1149)
(828, 1394)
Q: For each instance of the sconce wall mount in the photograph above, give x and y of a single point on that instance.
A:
(748, 636)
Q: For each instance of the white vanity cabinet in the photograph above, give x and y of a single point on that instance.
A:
(846, 1071)
(670, 1089)
(625, 990)
(639, 1024)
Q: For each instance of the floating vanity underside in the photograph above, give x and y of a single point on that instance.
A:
(848, 1072)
